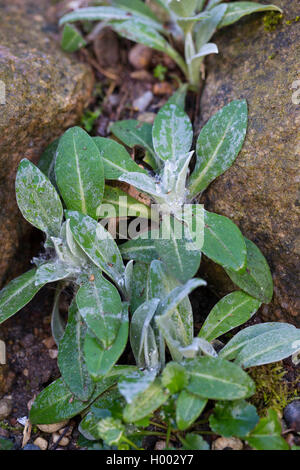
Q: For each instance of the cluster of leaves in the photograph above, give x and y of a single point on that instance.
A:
(189, 22)
(148, 279)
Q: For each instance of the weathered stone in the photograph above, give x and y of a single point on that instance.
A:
(260, 192)
(45, 92)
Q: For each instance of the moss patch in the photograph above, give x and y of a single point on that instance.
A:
(271, 20)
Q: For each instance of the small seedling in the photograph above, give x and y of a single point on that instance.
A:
(190, 22)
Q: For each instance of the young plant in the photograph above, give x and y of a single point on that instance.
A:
(149, 279)
(188, 23)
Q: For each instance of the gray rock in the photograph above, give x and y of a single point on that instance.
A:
(291, 415)
(45, 92)
(260, 192)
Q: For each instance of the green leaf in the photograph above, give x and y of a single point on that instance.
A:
(107, 14)
(256, 280)
(79, 172)
(145, 403)
(100, 306)
(223, 242)
(267, 434)
(217, 379)
(98, 244)
(116, 159)
(231, 311)
(110, 430)
(124, 205)
(172, 132)
(269, 347)
(71, 361)
(53, 271)
(144, 183)
(244, 337)
(6, 444)
(198, 345)
(72, 39)
(188, 408)
(128, 278)
(140, 249)
(57, 403)
(236, 10)
(47, 161)
(174, 377)
(175, 250)
(139, 31)
(212, 3)
(101, 408)
(37, 199)
(160, 284)
(184, 7)
(135, 383)
(17, 294)
(134, 133)
(57, 323)
(236, 418)
(99, 360)
(138, 290)
(204, 31)
(171, 301)
(142, 338)
(218, 144)
(194, 442)
(137, 7)
(173, 327)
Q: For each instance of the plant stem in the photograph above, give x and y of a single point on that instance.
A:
(168, 435)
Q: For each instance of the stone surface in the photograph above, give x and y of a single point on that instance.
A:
(291, 415)
(261, 190)
(41, 443)
(5, 408)
(50, 428)
(45, 92)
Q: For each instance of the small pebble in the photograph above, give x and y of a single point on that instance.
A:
(41, 443)
(49, 342)
(162, 88)
(53, 353)
(140, 56)
(160, 445)
(50, 428)
(291, 415)
(142, 102)
(230, 443)
(147, 117)
(67, 433)
(142, 75)
(5, 408)
(63, 442)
